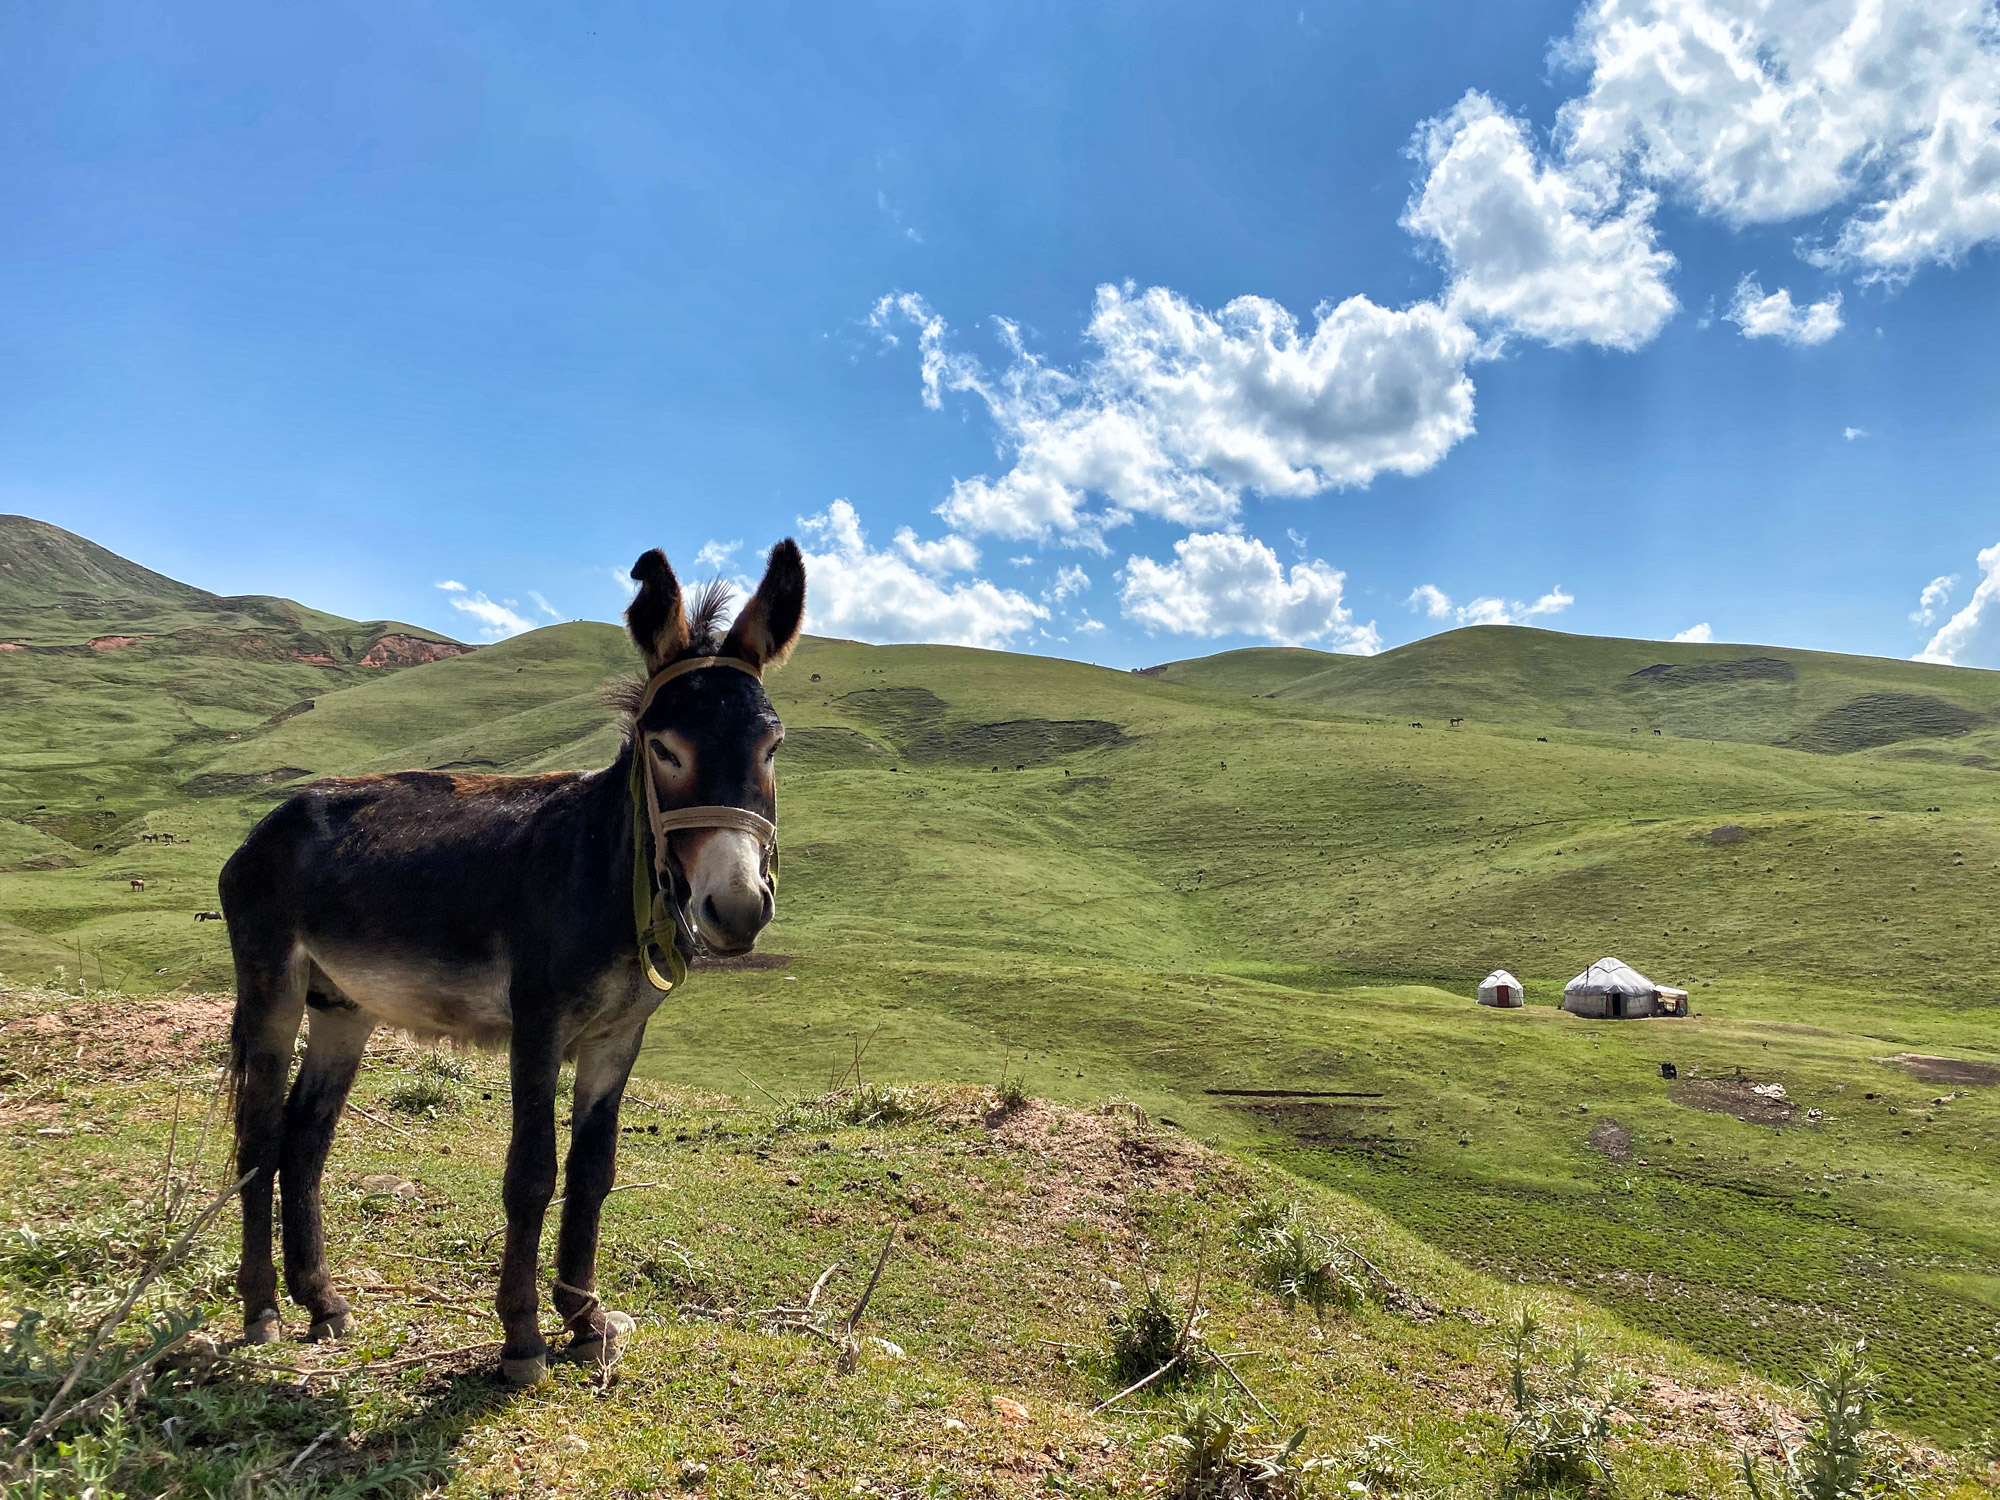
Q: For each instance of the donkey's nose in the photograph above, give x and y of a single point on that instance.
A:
(739, 913)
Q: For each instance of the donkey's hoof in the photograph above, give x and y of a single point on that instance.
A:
(530, 1369)
(262, 1329)
(333, 1326)
(603, 1348)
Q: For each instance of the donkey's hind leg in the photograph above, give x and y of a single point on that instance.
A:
(336, 1035)
(270, 996)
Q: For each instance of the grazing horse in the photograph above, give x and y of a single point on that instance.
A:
(531, 912)
(138, 884)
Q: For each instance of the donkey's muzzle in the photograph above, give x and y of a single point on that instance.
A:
(730, 919)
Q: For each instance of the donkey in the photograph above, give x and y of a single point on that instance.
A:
(531, 912)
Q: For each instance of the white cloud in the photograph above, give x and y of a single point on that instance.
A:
(1970, 638)
(1070, 581)
(1851, 433)
(544, 606)
(1181, 411)
(1432, 600)
(1221, 584)
(857, 592)
(1560, 256)
(1767, 111)
(715, 556)
(1698, 635)
(452, 586)
(1776, 317)
(948, 554)
(1488, 609)
(497, 619)
(622, 577)
(1936, 595)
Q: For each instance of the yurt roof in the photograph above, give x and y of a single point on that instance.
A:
(1611, 976)
(1499, 976)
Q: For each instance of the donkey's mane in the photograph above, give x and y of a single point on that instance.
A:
(707, 625)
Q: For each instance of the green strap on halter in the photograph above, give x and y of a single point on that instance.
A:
(650, 912)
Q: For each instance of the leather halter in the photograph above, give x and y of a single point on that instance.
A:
(657, 908)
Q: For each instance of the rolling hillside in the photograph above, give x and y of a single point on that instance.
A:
(1157, 885)
(1515, 675)
(117, 684)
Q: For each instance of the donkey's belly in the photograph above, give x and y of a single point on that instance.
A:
(466, 1001)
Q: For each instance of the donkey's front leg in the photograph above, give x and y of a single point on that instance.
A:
(534, 1063)
(602, 1069)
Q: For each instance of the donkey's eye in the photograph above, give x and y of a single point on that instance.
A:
(660, 749)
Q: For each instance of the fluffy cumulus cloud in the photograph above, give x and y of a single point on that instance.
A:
(1222, 584)
(1874, 125)
(1429, 600)
(497, 619)
(1970, 638)
(948, 554)
(1882, 112)
(865, 594)
(1180, 411)
(1557, 255)
(1773, 315)
(1696, 635)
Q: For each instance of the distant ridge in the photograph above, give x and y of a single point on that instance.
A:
(1819, 701)
(61, 591)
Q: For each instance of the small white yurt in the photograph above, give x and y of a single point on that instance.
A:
(1612, 990)
(1502, 989)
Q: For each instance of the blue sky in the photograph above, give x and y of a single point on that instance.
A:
(1150, 329)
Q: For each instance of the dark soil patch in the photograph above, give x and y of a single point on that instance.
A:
(232, 784)
(1715, 673)
(1949, 1069)
(1732, 1096)
(1611, 1138)
(1017, 742)
(1728, 833)
(902, 713)
(1882, 719)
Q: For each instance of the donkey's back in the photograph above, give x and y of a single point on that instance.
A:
(418, 897)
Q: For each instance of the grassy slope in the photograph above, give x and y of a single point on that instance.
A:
(1213, 890)
(1018, 1231)
(1515, 675)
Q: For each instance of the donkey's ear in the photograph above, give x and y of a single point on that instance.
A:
(764, 633)
(655, 617)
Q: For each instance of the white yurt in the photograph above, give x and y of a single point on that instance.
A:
(1613, 990)
(1502, 989)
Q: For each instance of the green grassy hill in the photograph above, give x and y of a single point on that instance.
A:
(117, 685)
(1514, 675)
(1157, 885)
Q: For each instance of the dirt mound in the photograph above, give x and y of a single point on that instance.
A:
(1085, 1168)
(121, 1040)
(1734, 1096)
(1611, 1138)
(1948, 1069)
